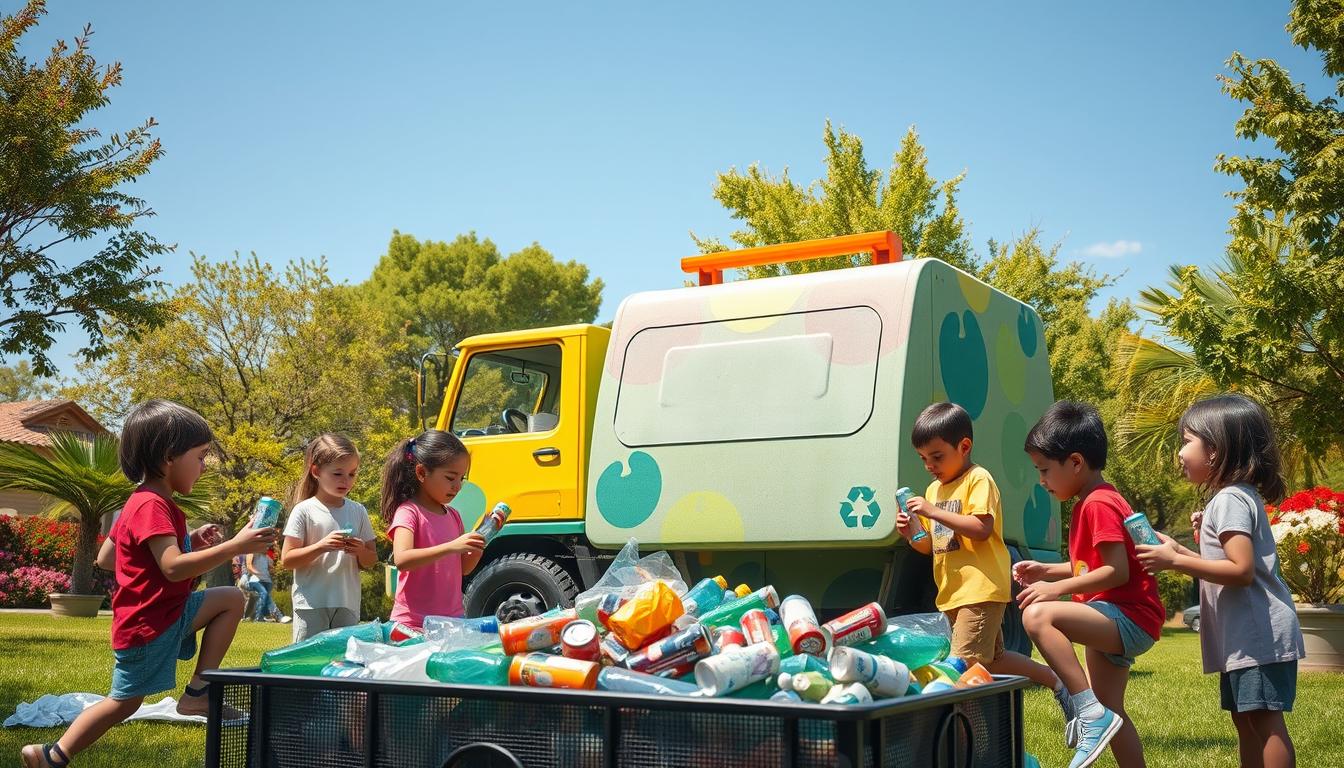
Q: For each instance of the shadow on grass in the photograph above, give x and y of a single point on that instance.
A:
(1166, 743)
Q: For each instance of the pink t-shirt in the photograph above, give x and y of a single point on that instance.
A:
(435, 589)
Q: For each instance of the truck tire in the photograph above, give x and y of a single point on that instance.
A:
(517, 586)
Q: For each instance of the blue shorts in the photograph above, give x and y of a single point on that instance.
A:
(1267, 686)
(1132, 637)
(152, 667)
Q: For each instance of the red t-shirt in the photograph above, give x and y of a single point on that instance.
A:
(146, 602)
(1099, 517)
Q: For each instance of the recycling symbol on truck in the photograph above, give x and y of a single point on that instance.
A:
(860, 507)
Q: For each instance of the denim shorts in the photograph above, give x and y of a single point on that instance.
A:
(152, 667)
(1132, 637)
(1267, 686)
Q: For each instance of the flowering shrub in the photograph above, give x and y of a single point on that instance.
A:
(45, 545)
(1309, 531)
(29, 585)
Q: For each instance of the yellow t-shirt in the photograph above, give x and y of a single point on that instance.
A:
(967, 571)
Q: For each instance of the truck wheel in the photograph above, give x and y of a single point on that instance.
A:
(519, 585)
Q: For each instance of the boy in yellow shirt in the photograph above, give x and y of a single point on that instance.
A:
(964, 533)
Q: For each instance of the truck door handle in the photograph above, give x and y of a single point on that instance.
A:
(547, 453)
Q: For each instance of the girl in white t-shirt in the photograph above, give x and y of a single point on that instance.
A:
(328, 538)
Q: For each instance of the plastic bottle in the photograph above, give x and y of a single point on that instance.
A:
(976, 675)
(308, 657)
(736, 669)
(911, 647)
(619, 680)
(883, 676)
(851, 693)
(731, 613)
(468, 667)
(780, 637)
(705, 596)
(811, 686)
(489, 527)
(803, 663)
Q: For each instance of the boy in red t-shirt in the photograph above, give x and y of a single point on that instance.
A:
(155, 613)
(1115, 613)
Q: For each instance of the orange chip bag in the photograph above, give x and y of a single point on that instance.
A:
(647, 617)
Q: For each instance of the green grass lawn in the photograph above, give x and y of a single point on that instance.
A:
(1174, 706)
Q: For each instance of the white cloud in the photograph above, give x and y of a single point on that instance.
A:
(1115, 250)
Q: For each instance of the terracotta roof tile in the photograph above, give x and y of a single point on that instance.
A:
(20, 421)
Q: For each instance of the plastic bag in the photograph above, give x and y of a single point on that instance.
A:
(308, 657)
(626, 574)
(915, 640)
(448, 633)
(647, 617)
(389, 662)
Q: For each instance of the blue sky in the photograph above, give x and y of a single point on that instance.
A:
(597, 129)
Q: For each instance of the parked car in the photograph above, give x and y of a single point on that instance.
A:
(1191, 617)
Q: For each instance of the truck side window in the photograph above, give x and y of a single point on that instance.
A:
(505, 391)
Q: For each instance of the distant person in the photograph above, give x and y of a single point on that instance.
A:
(155, 613)
(328, 539)
(1249, 633)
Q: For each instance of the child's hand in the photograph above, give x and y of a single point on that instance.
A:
(208, 535)
(334, 542)
(904, 524)
(253, 541)
(468, 544)
(1040, 591)
(919, 506)
(1029, 572)
(1196, 520)
(1157, 557)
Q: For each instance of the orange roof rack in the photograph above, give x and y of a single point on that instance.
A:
(885, 247)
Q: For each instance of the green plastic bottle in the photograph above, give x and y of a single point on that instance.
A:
(912, 648)
(730, 613)
(781, 641)
(468, 667)
(308, 657)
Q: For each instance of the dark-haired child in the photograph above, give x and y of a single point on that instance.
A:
(155, 613)
(1115, 613)
(1249, 632)
(970, 560)
(429, 546)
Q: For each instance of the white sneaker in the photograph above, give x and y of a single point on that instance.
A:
(285, 619)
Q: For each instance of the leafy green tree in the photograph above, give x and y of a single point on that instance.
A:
(270, 359)
(84, 477)
(850, 199)
(438, 293)
(59, 187)
(18, 383)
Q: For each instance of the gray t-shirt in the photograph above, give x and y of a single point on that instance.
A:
(1245, 626)
(332, 580)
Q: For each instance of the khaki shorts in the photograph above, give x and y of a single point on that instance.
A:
(977, 632)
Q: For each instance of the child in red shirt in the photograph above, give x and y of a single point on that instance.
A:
(155, 613)
(1115, 612)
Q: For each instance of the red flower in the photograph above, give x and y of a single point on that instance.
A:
(1303, 547)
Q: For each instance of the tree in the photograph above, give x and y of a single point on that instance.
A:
(270, 359)
(438, 293)
(59, 185)
(850, 199)
(83, 476)
(18, 383)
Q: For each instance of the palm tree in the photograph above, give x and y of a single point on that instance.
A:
(82, 476)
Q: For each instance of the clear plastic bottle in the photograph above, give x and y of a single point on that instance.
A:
(468, 667)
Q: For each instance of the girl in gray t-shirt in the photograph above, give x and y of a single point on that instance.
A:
(1248, 626)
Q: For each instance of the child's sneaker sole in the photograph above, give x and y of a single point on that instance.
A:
(1102, 741)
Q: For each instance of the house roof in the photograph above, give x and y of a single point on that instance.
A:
(29, 421)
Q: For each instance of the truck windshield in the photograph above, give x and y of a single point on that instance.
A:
(509, 391)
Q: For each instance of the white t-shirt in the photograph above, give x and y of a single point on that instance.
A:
(332, 580)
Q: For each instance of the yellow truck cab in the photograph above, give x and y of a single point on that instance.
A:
(756, 429)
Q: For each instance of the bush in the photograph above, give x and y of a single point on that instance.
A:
(1174, 589)
(283, 601)
(29, 585)
(374, 602)
(47, 545)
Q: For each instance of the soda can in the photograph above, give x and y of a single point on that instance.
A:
(609, 605)
(859, 625)
(267, 513)
(679, 671)
(542, 670)
(1140, 530)
(402, 632)
(805, 635)
(688, 645)
(537, 633)
(578, 640)
(756, 627)
(729, 637)
(883, 676)
(735, 669)
(492, 522)
(613, 653)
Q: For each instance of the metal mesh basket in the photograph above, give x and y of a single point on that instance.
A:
(335, 723)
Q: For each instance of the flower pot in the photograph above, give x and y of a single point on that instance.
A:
(1323, 634)
(75, 605)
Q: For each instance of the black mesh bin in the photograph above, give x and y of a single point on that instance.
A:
(335, 723)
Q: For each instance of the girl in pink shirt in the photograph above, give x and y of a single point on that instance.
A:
(429, 548)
